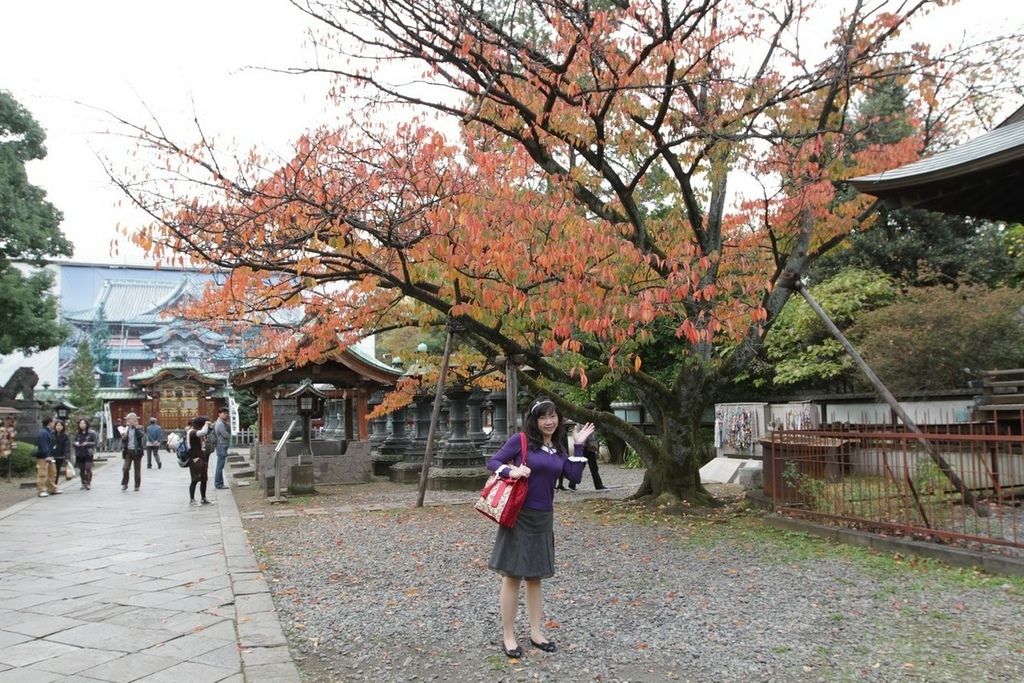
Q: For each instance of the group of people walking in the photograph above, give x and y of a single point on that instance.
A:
(55, 449)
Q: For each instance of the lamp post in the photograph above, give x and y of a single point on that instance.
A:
(63, 410)
(309, 401)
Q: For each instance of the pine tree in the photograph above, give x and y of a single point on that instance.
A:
(82, 382)
(29, 233)
(99, 346)
(918, 247)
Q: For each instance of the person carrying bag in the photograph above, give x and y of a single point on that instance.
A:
(525, 551)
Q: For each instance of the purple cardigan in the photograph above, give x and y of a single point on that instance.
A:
(545, 469)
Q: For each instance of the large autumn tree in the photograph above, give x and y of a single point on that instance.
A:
(622, 171)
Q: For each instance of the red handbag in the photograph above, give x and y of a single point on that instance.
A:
(502, 497)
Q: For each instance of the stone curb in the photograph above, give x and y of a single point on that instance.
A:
(261, 640)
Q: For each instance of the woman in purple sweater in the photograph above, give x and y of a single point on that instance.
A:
(526, 551)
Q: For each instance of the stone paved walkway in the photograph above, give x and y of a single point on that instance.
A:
(123, 586)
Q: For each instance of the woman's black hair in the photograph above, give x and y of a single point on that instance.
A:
(79, 424)
(544, 406)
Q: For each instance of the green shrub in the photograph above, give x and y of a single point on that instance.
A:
(23, 462)
(631, 461)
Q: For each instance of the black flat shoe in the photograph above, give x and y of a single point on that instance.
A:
(547, 647)
(515, 653)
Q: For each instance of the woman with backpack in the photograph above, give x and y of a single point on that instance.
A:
(199, 459)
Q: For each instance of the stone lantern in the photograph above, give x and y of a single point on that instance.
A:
(62, 409)
(309, 401)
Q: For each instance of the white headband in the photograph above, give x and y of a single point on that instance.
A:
(538, 404)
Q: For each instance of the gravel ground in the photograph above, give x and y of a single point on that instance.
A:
(394, 594)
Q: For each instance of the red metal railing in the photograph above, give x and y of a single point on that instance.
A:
(892, 481)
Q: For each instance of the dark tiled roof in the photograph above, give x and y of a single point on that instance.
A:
(980, 178)
(131, 354)
(179, 369)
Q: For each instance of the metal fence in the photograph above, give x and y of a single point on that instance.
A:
(896, 482)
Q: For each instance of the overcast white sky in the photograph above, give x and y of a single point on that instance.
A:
(67, 60)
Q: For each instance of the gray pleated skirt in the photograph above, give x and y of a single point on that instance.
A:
(527, 550)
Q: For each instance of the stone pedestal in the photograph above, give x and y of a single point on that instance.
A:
(457, 478)
(460, 464)
(392, 449)
(408, 470)
(300, 480)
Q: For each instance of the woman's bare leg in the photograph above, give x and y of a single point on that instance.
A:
(509, 601)
(535, 610)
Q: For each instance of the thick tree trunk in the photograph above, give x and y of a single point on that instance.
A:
(673, 474)
(616, 450)
(668, 481)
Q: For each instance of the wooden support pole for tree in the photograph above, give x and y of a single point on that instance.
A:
(435, 417)
(791, 280)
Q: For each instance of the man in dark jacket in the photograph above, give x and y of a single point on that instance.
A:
(591, 449)
(154, 435)
(46, 470)
(133, 445)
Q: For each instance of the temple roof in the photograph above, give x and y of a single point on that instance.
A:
(162, 335)
(137, 302)
(980, 178)
(349, 367)
(177, 369)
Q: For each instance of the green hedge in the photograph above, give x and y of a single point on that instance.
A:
(23, 463)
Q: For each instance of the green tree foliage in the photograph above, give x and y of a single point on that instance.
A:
(801, 350)
(927, 339)
(247, 414)
(921, 248)
(99, 345)
(29, 231)
(82, 382)
(903, 248)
